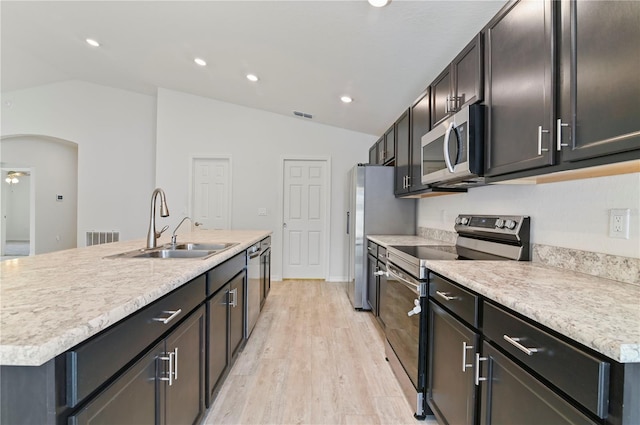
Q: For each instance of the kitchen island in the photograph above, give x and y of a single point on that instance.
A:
(51, 304)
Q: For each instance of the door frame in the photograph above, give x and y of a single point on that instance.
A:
(228, 157)
(327, 208)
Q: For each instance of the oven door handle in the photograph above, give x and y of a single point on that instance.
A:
(415, 287)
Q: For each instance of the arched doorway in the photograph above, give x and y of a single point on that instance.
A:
(51, 198)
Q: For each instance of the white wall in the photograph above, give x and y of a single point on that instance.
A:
(115, 133)
(54, 171)
(17, 208)
(256, 141)
(573, 214)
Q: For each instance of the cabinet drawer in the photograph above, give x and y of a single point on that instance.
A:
(92, 363)
(583, 377)
(372, 248)
(223, 273)
(382, 254)
(459, 301)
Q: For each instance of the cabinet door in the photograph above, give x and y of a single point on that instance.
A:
(452, 348)
(402, 154)
(380, 151)
(382, 285)
(599, 78)
(373, 154)
(236, 313)
(518, 88)
(467, 72)
(131, 399)
(372, 287)
(420, 119)
(217, 322)
(185, 394)
(440, 95)
(512, 396)
(390, 145)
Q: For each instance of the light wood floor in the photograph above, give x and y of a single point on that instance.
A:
(312, 359)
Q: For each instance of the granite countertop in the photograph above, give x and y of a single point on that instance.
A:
(52, 302)
(602, 314)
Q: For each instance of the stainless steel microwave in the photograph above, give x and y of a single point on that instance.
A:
(453, 151)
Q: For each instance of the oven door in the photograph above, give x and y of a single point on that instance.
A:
(403, 311)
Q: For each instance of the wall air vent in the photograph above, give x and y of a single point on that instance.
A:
(98, 238)
(302, 114)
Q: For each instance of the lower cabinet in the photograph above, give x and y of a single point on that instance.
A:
(372, 284)
(166, 386)
(452, 349)
(510, 395)
(225, 321)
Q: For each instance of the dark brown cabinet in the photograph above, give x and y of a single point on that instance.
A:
(403, 153)
(387, 147)
(599, 79)
(409, 147)
(460, 83)
(562, 86)
(512, 395)
(452, 348)
(373, 153)
(166, 386)
(519, 88)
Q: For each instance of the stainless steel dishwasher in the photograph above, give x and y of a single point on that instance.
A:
(254, 285)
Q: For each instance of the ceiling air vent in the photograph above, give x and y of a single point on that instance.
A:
(302, 114)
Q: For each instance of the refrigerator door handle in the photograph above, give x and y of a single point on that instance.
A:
(347, 222)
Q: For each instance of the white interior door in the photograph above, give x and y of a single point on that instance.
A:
(211, 192)
(305, 234)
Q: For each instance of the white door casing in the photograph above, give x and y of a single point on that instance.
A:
(211, 192)
(305, 213)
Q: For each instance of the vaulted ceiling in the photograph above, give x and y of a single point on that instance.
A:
(307, 54)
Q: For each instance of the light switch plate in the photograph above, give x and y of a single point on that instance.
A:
(262, 211)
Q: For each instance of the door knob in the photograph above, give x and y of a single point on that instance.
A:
(284, 225)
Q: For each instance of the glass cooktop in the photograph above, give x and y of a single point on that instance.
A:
(444, 252)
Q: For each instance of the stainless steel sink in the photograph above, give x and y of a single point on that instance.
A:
(174, 253)
(184, 250)
(191, 246)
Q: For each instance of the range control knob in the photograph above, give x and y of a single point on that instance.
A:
(465, 220)
(499, 223)
(510, 224)
(458, 220)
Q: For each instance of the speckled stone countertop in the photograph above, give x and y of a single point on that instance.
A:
(52, 302)
(602, 314)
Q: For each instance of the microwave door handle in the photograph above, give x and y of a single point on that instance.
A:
(447, 137)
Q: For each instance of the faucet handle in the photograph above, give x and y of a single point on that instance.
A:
(161, 231)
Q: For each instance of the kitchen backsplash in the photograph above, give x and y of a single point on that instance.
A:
(623, 269)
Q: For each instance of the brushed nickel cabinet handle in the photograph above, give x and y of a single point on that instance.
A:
(540, 131)
(515, 342)
(172, 315)
(465, 347)
(446, 296)
(560, 124)
(477, 375)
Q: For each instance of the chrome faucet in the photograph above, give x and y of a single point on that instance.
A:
(174, 237)
(153, 234)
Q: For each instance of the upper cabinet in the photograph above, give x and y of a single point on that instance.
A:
(589, 114)
(387, 150)
(519, 88)
(410, 128)
(599, 79)
(459, 84)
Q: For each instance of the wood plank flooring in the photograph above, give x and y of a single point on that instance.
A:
(312, 359)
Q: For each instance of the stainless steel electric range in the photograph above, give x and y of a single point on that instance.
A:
(403, 301)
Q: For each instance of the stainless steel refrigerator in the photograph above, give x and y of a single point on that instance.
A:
(372, 209)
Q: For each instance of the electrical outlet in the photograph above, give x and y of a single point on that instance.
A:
(262, 211)
(619, 223)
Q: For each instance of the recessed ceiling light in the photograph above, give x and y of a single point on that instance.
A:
(200, 62)
(252, 77)
(346, 99)
(92, 42)
(379, 3)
